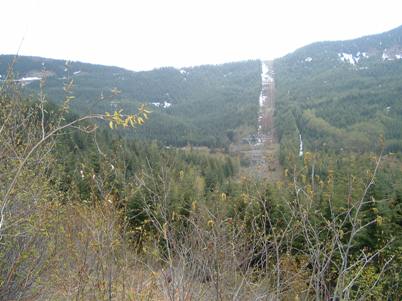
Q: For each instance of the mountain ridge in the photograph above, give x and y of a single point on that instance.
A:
(394, 35)
(200, 104)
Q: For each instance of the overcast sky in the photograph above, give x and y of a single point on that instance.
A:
(141, 35)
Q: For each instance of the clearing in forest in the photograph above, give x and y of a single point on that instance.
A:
(260, 151)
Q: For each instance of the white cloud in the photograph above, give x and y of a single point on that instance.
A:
(146, 34)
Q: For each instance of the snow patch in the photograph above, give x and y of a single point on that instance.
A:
(167, 104)
(77, 72)
(347, 58)
(308, 59)
(163, 105)
(301, 146)
(262, 100)
(352, 59)
(385, 56)
(265, 73)
(264, 68)
(391, 54)
(182, 71)
(265, 79)
(28, 79)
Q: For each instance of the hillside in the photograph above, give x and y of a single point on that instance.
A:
(343, 94)
(197, 105)
(338, 116)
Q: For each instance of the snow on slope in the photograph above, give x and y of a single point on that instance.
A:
(163, 105)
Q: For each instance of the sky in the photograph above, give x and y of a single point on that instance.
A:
(147, 34)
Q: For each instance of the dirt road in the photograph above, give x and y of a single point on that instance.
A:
(261, 150)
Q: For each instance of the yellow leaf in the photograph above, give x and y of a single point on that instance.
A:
(379, 220)
(126, 122)
(111, 124)
(132, 121)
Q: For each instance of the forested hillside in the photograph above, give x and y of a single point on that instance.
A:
(342, 99)
(338, 112)
(343, 95)
(201, 105)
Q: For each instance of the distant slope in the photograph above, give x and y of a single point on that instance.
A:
(341, 95)
(199, 105)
